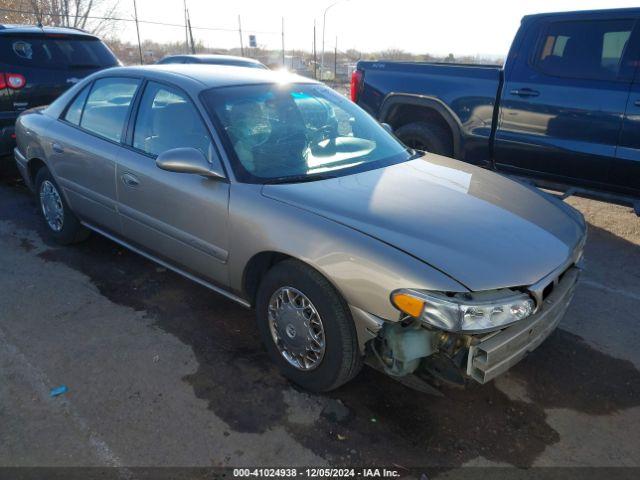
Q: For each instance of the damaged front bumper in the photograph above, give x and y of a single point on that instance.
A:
(495, 353)
(409, 349)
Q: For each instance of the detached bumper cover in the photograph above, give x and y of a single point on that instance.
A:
(498, 352)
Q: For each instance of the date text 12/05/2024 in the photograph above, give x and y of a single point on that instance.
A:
(317, 472)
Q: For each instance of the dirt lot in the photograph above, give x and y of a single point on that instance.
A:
(162, 372)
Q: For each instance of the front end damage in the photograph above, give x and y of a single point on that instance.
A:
(420, 355)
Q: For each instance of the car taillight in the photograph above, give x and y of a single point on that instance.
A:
(14, 81)
(356, 84)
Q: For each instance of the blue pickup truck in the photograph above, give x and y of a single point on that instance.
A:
(564, 110)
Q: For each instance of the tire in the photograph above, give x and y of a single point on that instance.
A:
(341, 360)
(70, 230)
(429, 137)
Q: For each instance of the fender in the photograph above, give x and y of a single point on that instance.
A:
(37, 155)
(28, 148)
(393, 100)
(32, 150)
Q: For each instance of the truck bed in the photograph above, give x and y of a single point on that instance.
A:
(468, 91)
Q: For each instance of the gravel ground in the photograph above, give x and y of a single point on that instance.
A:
(616, 219)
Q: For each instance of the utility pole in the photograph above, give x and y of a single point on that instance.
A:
(193, 45)
(186, 26)
(315, 58)
(240, 32)
(283, 65)
(135, 13)
(324, 21)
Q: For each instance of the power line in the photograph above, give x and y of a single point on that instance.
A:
(149, 22)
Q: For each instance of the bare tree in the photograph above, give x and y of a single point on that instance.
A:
(95, 16)
(16, 11)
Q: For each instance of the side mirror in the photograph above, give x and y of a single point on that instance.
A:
(190, 160)
(387, 127)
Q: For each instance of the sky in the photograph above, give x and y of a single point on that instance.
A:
(461, 27)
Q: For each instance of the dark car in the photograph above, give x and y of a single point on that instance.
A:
(37, 64)
(565, 108)
(210, 59)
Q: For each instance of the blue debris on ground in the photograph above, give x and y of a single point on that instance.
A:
(58, 390)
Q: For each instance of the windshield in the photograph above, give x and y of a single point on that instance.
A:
(55, 51)
(282, 133)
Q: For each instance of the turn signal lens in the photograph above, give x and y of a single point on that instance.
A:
(406, 303)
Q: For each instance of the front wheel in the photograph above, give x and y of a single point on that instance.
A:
(62, 223)
(307, 327)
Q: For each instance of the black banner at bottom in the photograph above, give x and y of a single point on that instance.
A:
(393, 472)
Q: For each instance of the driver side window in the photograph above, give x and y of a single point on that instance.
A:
(167, 119)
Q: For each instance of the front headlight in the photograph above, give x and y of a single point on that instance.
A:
(482, 312)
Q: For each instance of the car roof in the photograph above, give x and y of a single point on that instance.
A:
(12, 29)
(191, 77)
(204, 76)
(214, 56)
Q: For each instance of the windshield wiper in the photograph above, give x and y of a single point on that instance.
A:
(414, 153)
(298, 179)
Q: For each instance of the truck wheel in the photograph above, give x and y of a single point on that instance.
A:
(307, 327)
(428, 137)
(62, 223)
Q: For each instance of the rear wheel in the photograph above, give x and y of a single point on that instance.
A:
(62, 223)
(307, 327)
(426, 136)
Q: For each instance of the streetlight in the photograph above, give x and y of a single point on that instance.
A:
(324, 21)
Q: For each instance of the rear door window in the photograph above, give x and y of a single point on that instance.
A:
(74, 111)
(590, 49)
(60, 52)
(107, 106)
(167, 119)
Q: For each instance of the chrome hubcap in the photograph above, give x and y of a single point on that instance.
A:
(51, 205)
(296, 328)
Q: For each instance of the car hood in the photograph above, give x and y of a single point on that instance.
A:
(484, 230)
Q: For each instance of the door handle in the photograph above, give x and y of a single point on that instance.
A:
(57, 148)
(637, 103)
(525, 92)
(130, 180)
